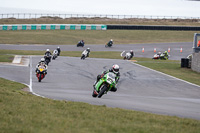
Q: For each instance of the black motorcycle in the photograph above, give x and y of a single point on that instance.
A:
(80, 44)
(109, 44)
(47, 58)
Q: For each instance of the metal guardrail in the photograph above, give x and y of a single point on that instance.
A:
(65, 16)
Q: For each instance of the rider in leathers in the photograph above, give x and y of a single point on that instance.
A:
(115, 70)
(41, 63)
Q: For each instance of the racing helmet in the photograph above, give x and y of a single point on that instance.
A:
(131, 51)
(88, 49)
(111, 39)
(165, 52)
(47, 50)
(42, 59)
(115, 68)
(58, 47)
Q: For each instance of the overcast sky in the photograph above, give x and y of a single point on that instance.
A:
(114, 7)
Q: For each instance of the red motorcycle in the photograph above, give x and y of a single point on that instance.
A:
(41, 73)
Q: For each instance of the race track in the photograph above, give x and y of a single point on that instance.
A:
(175, 53)
(139, 88)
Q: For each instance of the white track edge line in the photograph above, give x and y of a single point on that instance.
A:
(30, 86)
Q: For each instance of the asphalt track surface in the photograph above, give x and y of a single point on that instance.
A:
(139, 88)
(175, 48)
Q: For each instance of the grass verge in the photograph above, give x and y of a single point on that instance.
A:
(6, 58)
(69, 37)
(24, 112)
(173, 69)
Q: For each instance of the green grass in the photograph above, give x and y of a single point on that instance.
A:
(71, 37)
(6, 58)
(23, 112)
(173, 69)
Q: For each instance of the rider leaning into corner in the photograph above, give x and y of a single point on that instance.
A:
(41, 63)
(115, 70)
(88, 51)
(166, 55)
(58, 49)
(110, 42)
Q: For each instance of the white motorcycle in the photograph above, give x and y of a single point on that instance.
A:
(127, 56)
(55, 54)
(84, 54)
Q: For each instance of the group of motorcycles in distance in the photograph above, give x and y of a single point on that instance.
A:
(85, 53)
(41, 67)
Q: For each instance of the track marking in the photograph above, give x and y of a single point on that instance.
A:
(165, 74)
(30, 85)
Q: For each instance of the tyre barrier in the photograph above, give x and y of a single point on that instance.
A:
(157, 27)
(185, 62)
(53, 27)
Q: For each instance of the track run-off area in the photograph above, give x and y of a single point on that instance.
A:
(139, 88)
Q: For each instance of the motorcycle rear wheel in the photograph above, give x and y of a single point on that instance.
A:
(94, 95)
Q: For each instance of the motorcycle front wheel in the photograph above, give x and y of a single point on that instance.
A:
(40, 78)
(82, 57)
(103, 90)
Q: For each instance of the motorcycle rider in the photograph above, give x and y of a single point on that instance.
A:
(115, 70)
(81, 42)
(165, 55)
(132, 53)
(58, 49)
(110, 43)
(47, 52)
(55, 52)
(41, 63)
(88, 51)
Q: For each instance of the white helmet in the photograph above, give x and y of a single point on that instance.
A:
(42, 59)
(131, 51)
(58, 47)
(115, 68)
(111, 40)
(88, 49)
(47, 49)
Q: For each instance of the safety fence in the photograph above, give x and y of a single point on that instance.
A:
(52, 27)
(65, 16)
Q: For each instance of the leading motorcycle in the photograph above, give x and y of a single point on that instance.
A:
(104, 85)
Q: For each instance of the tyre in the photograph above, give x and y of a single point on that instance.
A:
(83, 57)
(103, 90)
(93, 94)
(40, 78)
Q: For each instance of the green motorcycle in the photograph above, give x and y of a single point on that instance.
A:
(104, 85)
